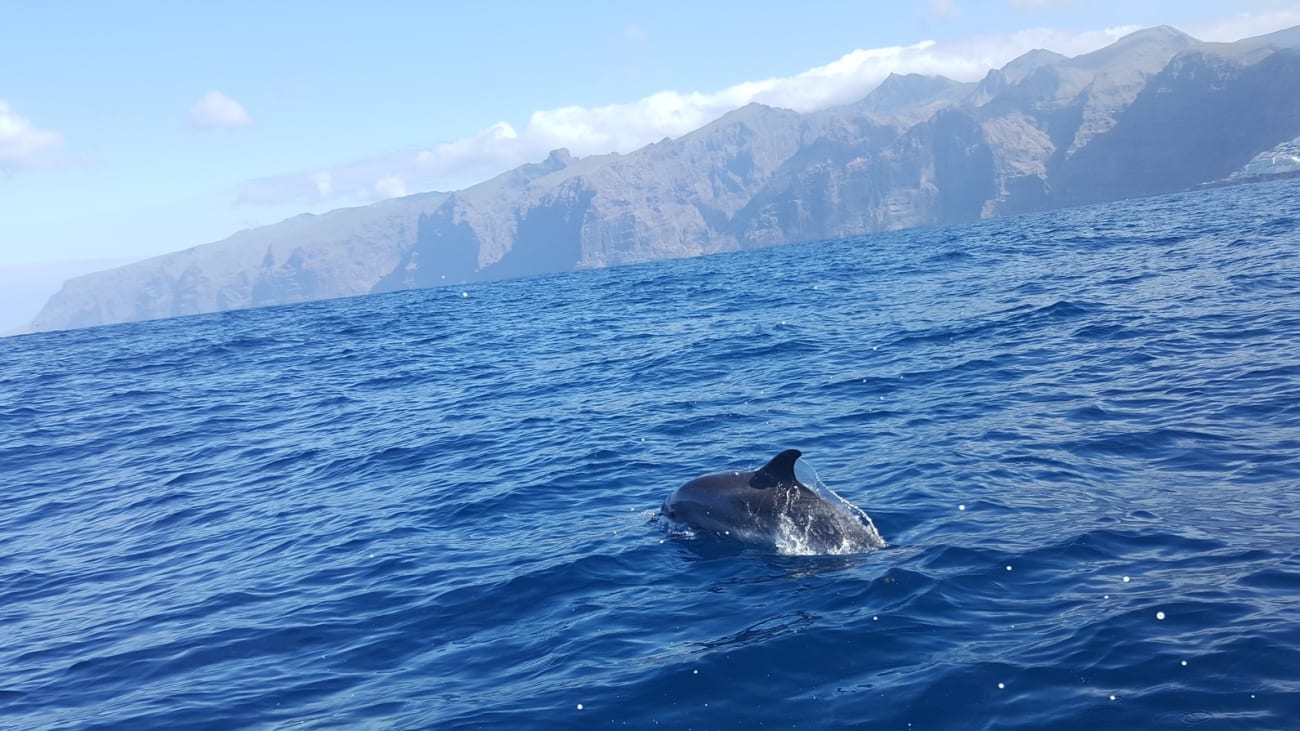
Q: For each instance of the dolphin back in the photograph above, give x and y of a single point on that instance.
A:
(772, 506)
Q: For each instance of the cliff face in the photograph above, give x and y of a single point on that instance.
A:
(1155, 112)
(308, 257)
(1200, 119)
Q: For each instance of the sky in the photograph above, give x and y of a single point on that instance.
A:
(131, 129)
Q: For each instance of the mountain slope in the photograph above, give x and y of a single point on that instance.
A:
(304, 258)
(1154, 112)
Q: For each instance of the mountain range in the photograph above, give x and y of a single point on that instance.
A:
(1157, 111)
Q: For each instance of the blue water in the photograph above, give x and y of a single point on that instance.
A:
(1078, 431)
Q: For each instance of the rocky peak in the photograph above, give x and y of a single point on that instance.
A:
(1027, 63)
(1147, 50)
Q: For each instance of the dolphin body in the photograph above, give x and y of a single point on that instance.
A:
(770, 506)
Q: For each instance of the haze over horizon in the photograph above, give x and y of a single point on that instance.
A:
(178, 128)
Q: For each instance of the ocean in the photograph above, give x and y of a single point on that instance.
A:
(1078, 432)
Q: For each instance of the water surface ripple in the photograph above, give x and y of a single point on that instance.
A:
(1079, 431)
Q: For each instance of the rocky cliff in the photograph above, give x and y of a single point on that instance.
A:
(1157, 111)
(308, 257)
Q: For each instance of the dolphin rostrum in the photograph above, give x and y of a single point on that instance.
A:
(770, 506)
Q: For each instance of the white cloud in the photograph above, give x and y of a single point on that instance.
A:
(488, 149)
(22, 144)
(390, 186)
(216, 110)
(324, 183)
(628, 126)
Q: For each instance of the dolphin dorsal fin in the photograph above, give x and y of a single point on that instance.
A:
(780, 471)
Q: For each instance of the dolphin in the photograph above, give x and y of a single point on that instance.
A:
(770, 506)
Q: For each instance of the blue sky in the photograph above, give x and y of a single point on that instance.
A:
(133, 129)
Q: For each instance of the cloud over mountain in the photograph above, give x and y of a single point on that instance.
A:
(627, 126)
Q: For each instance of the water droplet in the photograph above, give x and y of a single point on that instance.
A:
(579, 706)
(1112, 696)
(961, 507)
(464, 294)
(1008, 567)
(1126, 579)
(1184, 663)
(1001, 686)
(1160, 615)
